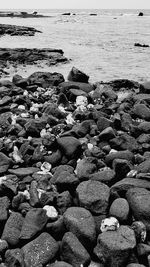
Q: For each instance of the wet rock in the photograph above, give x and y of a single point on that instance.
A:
(12, 229)
(141, 14)
(59, 264)
(76, 75)
(40, 251)
(66, 86)
(138, 199)
(34, 222)
(114, 247)
(17, 30)
(94, 196)
(120, 209)
(45, 79)
(73, 252)
(80, 222)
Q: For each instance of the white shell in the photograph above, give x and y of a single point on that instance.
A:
(69, 119)
(51, 212)
(109, 224)
(132, 173)
(81, 101)
(16, 155)
(21, 107)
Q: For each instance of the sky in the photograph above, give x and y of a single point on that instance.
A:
(96, 4)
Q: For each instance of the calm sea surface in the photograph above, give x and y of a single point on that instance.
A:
(102, 45)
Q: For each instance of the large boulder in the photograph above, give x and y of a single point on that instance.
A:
(45, 79)
(139, 199)
(80, 222)
(114, 247)
(73, 252)
(40, 251)
(76, 75)
(94, 196)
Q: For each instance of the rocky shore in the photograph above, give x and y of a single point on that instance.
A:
(74, 172)
(15, 30)
(17, 57)
(22, 15)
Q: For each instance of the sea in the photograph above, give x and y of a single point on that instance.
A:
(101, 45)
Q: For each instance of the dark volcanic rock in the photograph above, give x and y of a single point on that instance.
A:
(45, 79)
(94, 196)
(17, 30)
(40, 251)
(139, 199)
(14, 257)
(73, 252)
(114, 247)
(76, 75)
(31, 56)
(80, 222)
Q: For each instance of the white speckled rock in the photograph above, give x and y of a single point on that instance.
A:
(109, 224)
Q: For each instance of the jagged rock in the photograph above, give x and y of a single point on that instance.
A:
(45, 79)
(76, 75)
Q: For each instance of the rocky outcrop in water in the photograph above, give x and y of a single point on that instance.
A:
(24, 56)
(22, 14)
(17, 30)
(74, 172)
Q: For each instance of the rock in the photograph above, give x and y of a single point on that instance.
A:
(104, 175)
(66, 86)
(73, 252)
(70, 146)
(34, 222)
(12, 229)
(141, 111)
(94, 196)
(5, 163)
(114, 247)
(65, 181)
(135, 265)
(40, 251)
(59, 264)
(107, 134)
(138, 199)
(17, 30)
(3, 246)
(22, 172)
(139, 230)
(14, 257)
(120, 209)
(143, 249)
(76, 75)
(64, 201)
(141, 45)
(126, 154)
(141, 14)
(124, 142)
(127, 183)
(103, 123)
(144, 167)
(45, 79)
(80, 222)
(85, 167)
(144, 127)
(121, 167)
(4, 206)
(57, 228)
(51, 212)
(30, 56)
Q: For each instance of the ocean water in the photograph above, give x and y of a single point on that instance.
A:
(102, 45)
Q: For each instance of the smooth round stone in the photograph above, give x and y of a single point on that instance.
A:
(120, 209)
(51, 212)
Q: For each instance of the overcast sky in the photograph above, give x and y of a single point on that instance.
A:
(36, 4)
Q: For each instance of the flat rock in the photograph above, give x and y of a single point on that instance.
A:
(22, 172)
(45, 79)
(17, 30)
